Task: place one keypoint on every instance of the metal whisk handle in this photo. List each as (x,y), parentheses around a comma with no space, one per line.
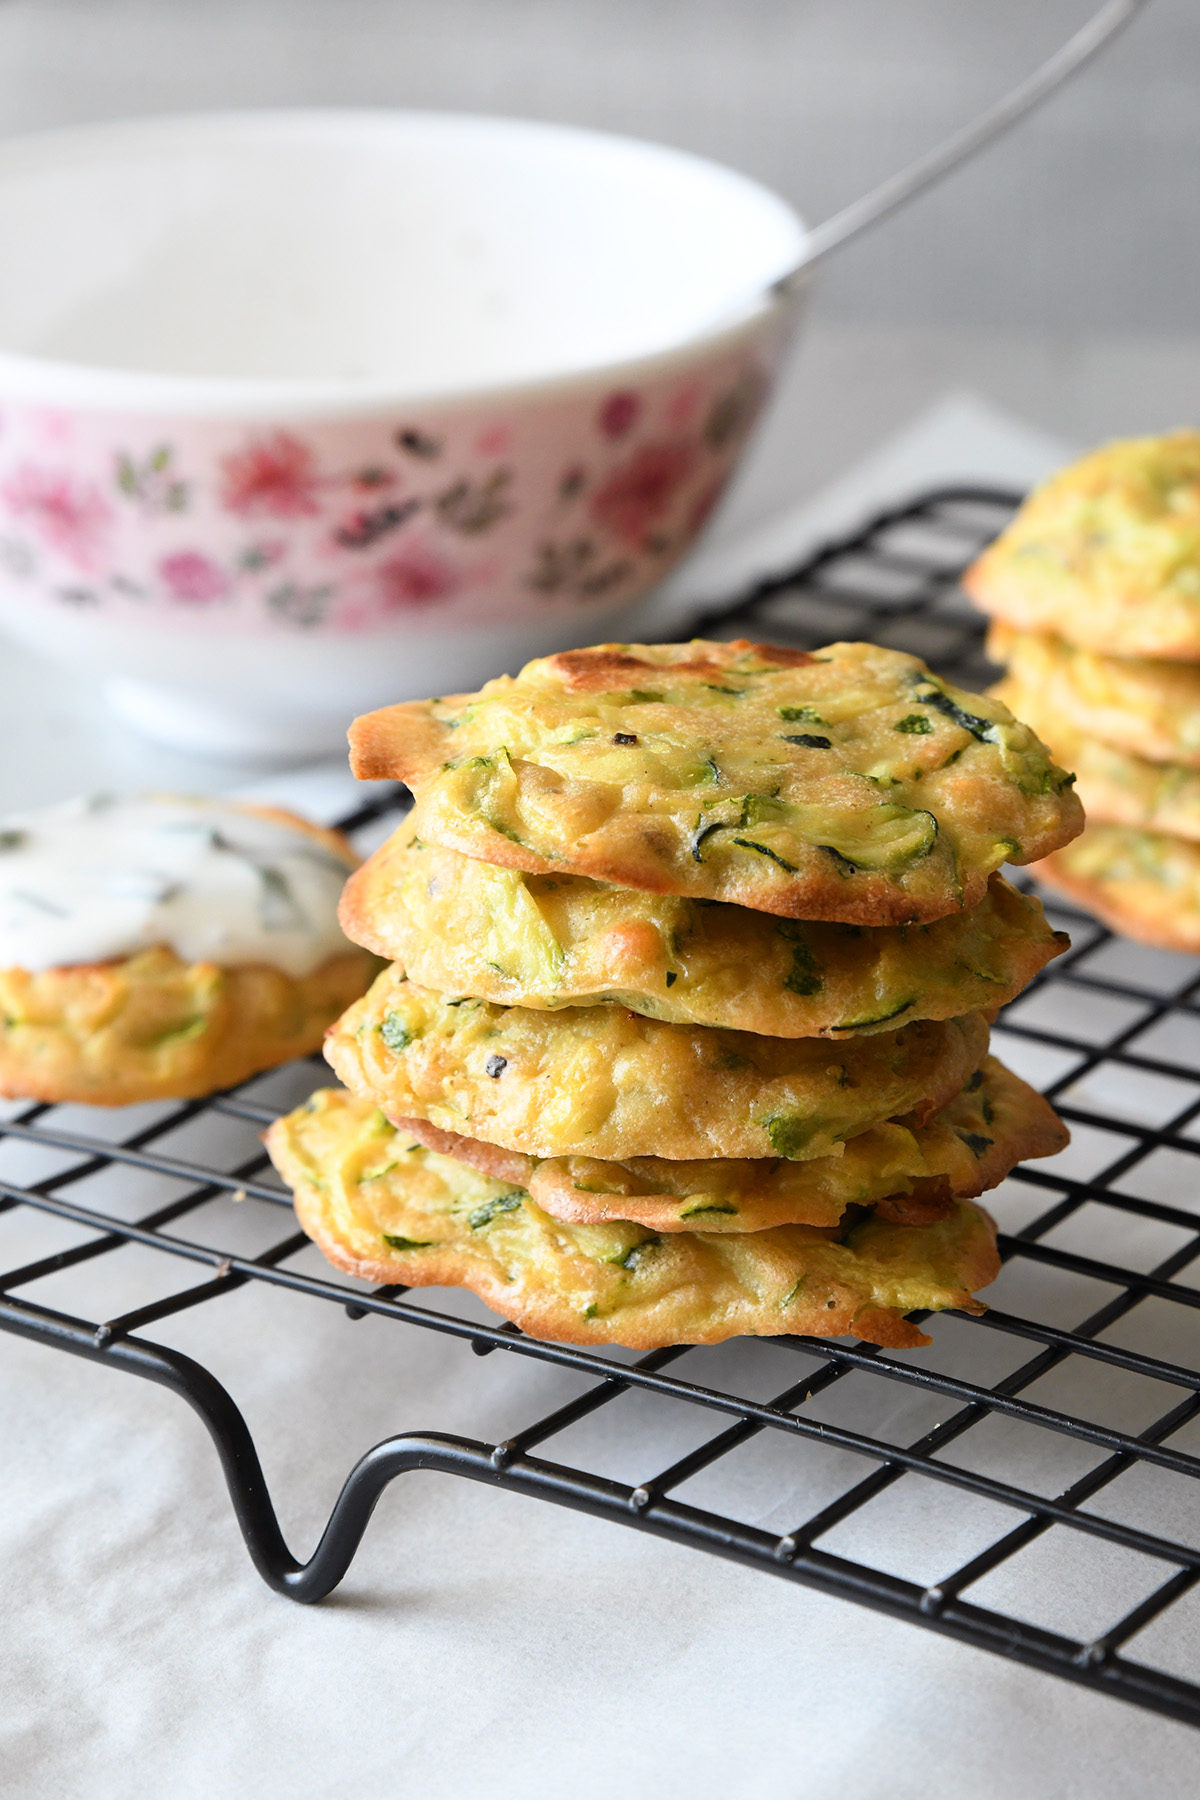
(957,149)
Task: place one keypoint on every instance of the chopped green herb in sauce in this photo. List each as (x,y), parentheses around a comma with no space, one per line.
(277,904)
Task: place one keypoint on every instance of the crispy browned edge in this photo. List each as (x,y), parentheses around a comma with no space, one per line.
(489,1159)
(929,1200)
(819,896)
(391,743)
(591,670)
(356,909)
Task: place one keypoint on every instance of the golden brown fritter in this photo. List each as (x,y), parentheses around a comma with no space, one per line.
(153,1027)
(1148,708)
(601,1081)
(1106,552)
(551,941)
(1116,787)
(389,1210)
(907,1171)
(849,784)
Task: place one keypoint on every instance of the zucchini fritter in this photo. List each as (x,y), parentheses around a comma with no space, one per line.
(1106,552)
(389,1210)
(1149,708)
(601,1081)
(910,1172)
(847,784)
(551,941)
(153,1027)
(1116,787)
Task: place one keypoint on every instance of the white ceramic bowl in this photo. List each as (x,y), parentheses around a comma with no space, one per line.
(303,412)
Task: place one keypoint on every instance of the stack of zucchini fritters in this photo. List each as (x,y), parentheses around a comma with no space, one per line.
(1095,590)
(685,1035)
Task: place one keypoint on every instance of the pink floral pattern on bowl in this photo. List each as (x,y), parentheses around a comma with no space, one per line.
(70,518)
(475,512)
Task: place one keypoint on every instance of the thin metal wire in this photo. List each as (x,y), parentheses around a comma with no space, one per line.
(894,581)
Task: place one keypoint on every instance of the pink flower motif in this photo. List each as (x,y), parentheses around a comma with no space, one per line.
(416,576)
(619,413)
(275,477)
(70,517)
(640,491)
(494,440)
(189,576)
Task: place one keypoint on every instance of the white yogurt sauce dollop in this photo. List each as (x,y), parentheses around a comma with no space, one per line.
(101,878)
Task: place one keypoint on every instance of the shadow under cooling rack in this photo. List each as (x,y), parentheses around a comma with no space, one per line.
(1028,1484)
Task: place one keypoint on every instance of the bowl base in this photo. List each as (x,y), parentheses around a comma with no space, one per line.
(235,733)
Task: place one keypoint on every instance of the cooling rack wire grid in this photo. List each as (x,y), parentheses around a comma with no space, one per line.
(1060,1431)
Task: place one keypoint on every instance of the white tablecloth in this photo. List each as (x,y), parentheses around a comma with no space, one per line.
(484,1643)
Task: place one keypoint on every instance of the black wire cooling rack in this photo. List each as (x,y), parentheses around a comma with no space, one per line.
(1042,1455)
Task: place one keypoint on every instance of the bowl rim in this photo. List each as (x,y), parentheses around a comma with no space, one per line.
(29,379)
